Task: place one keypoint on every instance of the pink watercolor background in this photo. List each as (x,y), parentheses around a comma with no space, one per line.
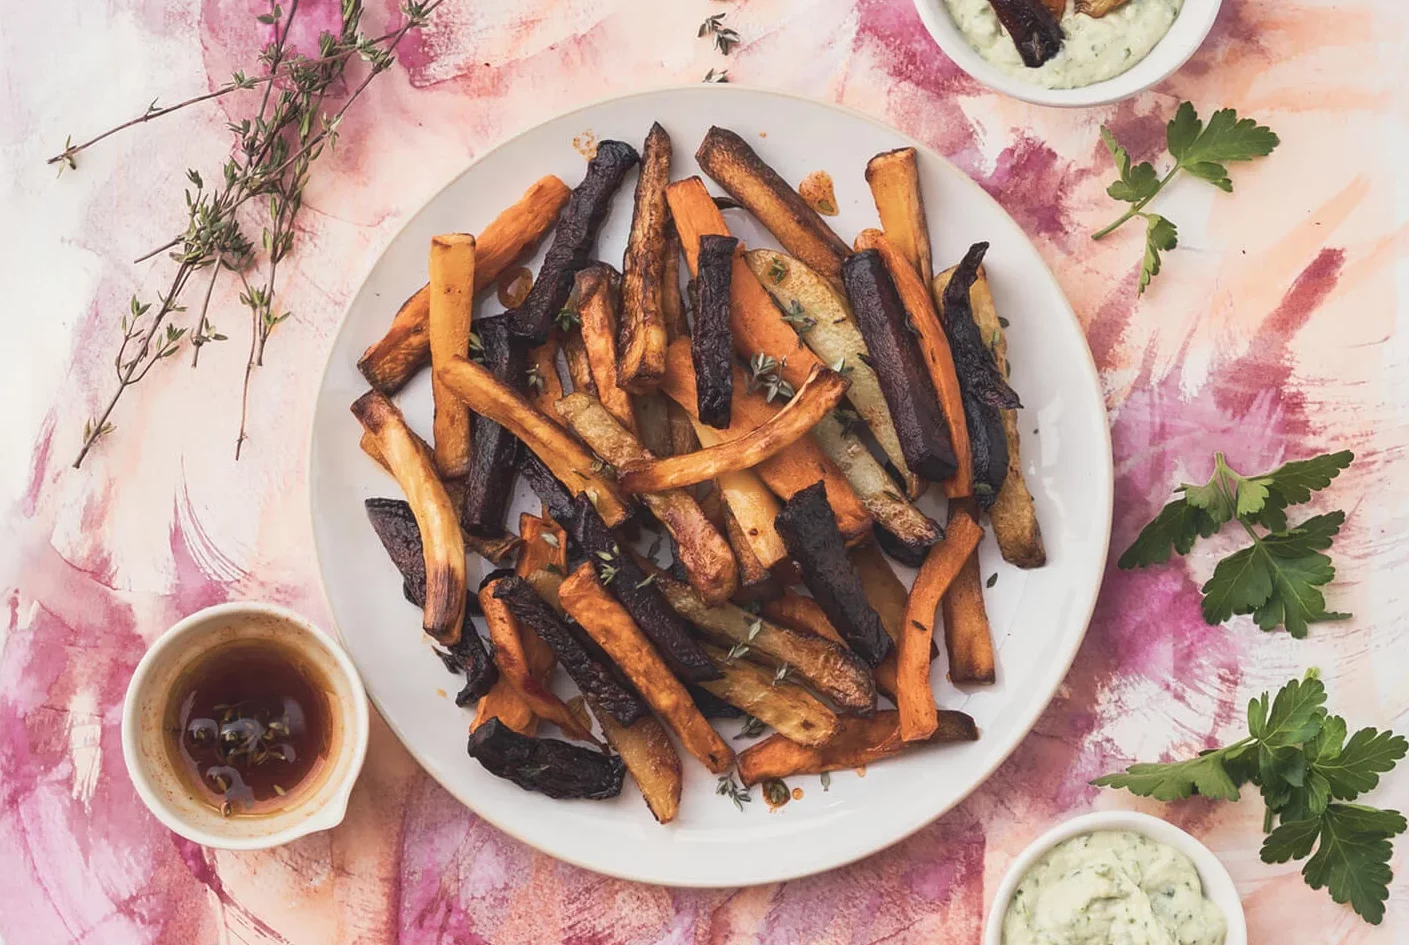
(1271,334)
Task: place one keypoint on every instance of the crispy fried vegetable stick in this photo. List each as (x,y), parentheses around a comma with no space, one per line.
(579,367)
(704,552)
(558,450)
(792,469)
(755,581)
(751,508)
(607,622)
(435,514)
(757,325)
(861,741)
(653,421)
(787,707)
(894,178)
(822,391)
(887,595)
(967,635)
(914,698)
(452,268)
(545,385)
(650,759)
(934,345)
(509,655)
(405,348)
(1096,8)
(596,304)
(1013,515)
(736,167)
(801,613)
(831,669)
(643,333)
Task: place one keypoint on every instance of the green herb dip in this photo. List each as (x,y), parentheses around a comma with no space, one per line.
(1112,887)
(1096,48)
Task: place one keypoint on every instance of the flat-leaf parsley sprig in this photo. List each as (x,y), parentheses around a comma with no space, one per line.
(1201,150)
(1308,772)
(1278,577)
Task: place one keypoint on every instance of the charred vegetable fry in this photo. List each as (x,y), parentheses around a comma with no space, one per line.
(750,509)
(444,609)
(828,667)
(967,635)
(785,706)
(569,461)
(985,391)
(650,759)
(822,391)
(1013,515)
(579,366)
(736,167)
(643,334)
(894,178)
(701,548)
(556,768)
(639,594)
(653,421)
(809,529)
(596,305)
(712,345)
(933,343)
(452,269)
(572,241)
(908,389)
(861,741)
(607,622)
(801,613)
(545,386)
(913,697)
(495,463)
(556,498)
(1033,29)
(405,348)
(513,663)
(821,317)
(596,683)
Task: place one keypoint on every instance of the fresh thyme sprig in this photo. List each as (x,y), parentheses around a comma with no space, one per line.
(725,39)
(765,372)
(269,163)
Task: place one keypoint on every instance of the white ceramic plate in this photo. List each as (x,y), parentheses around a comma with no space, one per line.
(1038,617)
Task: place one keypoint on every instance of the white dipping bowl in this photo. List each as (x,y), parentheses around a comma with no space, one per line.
(1218,885)
(1185,36)
(149,692)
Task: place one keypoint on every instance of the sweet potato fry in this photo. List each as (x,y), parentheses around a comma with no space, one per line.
(607,622)
(756,324)
(967,635)
(736,167)
(827,667)
(545,384)
(914,698)
(504,703)
(435,515)
(513,664)
(704,552)
(887,595)
(795,467)
(1013,515)
(493,550)
(801,613)
(596,305)
(569,461)
(545,544)
(452,269)
(894,178)
(787,707)
(934,345)
(643,334)
(823,319)
(405,349)
(650,759)
(861,741)
(822,391)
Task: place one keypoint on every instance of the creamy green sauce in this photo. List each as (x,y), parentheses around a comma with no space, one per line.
(1112,887)
(1096,48)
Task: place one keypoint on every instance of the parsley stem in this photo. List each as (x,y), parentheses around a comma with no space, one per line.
(1135,210)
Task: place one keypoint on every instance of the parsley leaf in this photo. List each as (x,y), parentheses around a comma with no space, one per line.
(1351,859)
(1200,150)
(1176,527)
(1204,775)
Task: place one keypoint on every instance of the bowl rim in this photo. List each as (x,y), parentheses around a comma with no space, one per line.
(185,633)
(1162,61)
(1218,884)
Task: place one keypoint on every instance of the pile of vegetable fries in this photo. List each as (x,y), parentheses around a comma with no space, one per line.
(778,429)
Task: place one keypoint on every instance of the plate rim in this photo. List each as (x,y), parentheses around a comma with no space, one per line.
(1027,720)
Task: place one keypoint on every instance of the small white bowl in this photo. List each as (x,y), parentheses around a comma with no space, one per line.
(1218,885)
(144,740)
(1185,36)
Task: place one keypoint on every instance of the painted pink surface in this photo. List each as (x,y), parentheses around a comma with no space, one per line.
(1270,334)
